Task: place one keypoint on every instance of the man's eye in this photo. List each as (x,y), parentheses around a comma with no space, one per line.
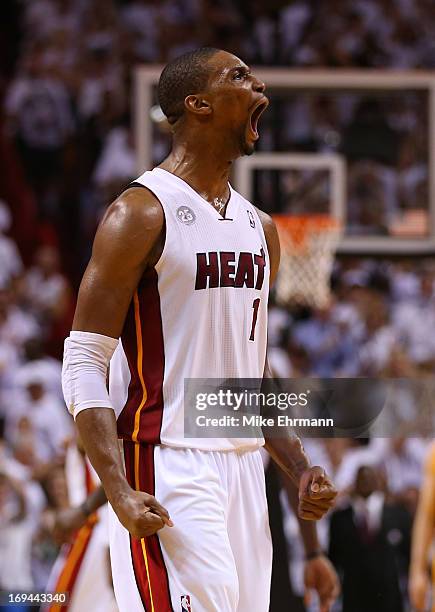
(238,76)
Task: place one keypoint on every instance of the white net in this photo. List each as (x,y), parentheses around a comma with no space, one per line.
(308,246)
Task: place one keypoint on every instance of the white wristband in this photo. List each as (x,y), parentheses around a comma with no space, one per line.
(84,372)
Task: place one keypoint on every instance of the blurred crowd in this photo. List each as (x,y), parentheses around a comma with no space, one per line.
(66,147)
(368,535)
(382,136)
(35,313)
(375,326)
(67,91)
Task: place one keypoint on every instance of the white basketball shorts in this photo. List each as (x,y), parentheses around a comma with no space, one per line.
(218,555)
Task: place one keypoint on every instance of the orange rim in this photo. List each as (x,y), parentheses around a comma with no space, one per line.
(294,229)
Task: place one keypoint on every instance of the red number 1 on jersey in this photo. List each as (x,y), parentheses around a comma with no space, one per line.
(255,306)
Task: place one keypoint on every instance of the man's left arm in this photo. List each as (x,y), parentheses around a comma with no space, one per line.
(316,491)
(319,573)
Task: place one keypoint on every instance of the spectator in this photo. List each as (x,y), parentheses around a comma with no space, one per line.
(324,340)
(381,337)
(363,539)
(11,264)
(15,536)
(16,325)
(39,111)
(117,164)
(42,417)
(49,369)
(47,289)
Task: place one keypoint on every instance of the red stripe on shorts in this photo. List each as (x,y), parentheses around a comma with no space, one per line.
(148,563)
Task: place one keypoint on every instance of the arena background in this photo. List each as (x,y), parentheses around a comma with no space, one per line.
(350,133)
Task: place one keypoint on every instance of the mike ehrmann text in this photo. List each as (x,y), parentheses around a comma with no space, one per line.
(255,420)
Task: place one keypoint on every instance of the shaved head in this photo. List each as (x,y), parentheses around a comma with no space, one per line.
(183,76)
(211,95)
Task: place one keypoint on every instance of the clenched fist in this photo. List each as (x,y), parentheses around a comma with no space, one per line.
(320,576)
(316,494)
(141,514)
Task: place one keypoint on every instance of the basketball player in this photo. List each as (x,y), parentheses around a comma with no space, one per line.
(179,279)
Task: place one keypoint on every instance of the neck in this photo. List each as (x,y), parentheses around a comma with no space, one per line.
(205,168)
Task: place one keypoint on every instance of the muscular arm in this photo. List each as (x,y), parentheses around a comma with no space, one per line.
(319,573)
(316,492)
(125,244)
(287,452)
(308,529)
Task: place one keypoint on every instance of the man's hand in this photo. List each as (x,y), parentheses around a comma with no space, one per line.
(419,586)
(141,514)
(320,576)
(316,494)
(66,522)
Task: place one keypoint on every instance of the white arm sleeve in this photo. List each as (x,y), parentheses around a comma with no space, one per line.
(84,372)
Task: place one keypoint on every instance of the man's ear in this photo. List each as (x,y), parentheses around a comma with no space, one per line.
(197,104)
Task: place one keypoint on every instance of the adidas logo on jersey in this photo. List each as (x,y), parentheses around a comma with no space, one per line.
(226,269)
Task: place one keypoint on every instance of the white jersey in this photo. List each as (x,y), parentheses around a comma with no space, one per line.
(200,313)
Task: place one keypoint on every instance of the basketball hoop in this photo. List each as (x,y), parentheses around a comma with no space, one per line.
(308,244)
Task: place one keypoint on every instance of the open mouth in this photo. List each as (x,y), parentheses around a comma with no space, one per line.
(256,113)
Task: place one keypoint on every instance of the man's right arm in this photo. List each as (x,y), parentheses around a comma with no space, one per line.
(125,244)
(319,573)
